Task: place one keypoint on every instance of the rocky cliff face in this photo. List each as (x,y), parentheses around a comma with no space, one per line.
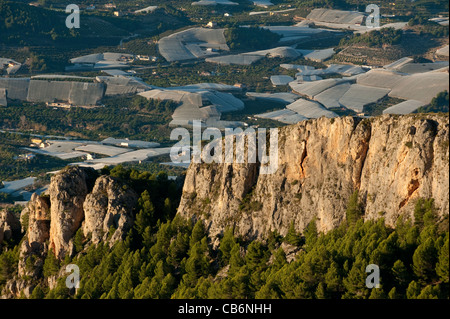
(76,200)
(9,225)
(108,205)
(390,160)
(67,193)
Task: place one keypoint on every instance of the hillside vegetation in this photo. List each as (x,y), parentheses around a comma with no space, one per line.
(170,257)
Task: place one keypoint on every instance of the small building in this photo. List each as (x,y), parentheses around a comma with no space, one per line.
(110,6)
(26,157)
(59,104)
(118,13)
(211,24)
(143,57)
(226,14)
(90,8)
(44,145)
(36,141)
(128,58)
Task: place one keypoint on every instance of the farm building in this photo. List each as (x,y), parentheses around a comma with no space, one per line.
(3,101)
(116,85)
(404,107)
(9,65)
(99,61)
(443,51)
(192,44)
(278,80)
(249,58)
(129,143)
(75,93)
(284,116)
(16,88)
(262,3)
(214,2)
(310,109)
(202,105)
(283,97)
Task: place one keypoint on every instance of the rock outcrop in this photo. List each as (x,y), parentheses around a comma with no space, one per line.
(108,205)
(67,193)
(38,212)
(33,249)
(78,200)
(390,160)
(9,225)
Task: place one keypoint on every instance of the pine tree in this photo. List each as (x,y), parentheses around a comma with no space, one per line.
(333,280)
(168,285)
(198,233)
(377,293)
(203,287)
(292,237)
(429,292)
(241,283)
(393,294)
(256,256)
(147,237)
(269,291)
(168,208)
(413,290)
(311,234)
(146,211)
(178,249)
(424,212)
(321,292)
(236,260)
(78,240)
(400,273)
(424,260)
(354,209)
(142,291)
(197,265)
(38,293)
(355,282)
(279,258)
(443,261)
(226,245)
(125,287)
(51,264)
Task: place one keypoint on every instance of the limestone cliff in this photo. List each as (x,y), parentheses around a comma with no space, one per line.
(390,160)
(108,205)
(67,193)
(77,200)
(9,225)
